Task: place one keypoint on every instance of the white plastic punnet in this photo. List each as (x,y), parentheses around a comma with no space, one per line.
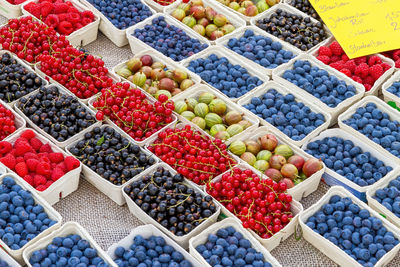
(374,89)
(9,10)
(50,211)
(213,229)
(300,190)
(145,218)
(69,228)
(84,35)
(117,36)
(112,191)
(61,188)
(333,178)
(299,98)
(334,112)
(202,88)
(233,19)
(288,8)
(8,259)
(137,46)
(393,115)
(146,231)
(388,96)
(278,237)
(234,60)
(223,41)
(330,249)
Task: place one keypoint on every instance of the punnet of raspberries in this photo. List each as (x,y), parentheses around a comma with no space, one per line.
(35,161)
(192,154)
(395,55)
(7,122)
(130,110)
(61,15)
(261,204)
(365,70)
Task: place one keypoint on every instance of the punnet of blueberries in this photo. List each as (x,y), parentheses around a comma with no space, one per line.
(112,156)
(395,89)
(3,263)
(377,126)
(152,251)
(169,39)
(232,80)
(21,218)
(349,160)
(306,7)
(172,203)
(122,13)
(71,250)
(260,49)
(295,29)
(389,196)
(293,118)
(60,115)
(318,82)
(228,247)
(15,80)
(353,229)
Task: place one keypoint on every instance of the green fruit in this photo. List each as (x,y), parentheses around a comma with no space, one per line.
(139,79)
(217,106)
(233,117)
(234,129)
(262,6)
(201,110)
(199,122)
(180,106)
(284,150)
(264,155)
(188,115)
(302,176)
(191,102)
(223,135)
(249,158)
(216,128)
(261,165)
(245,124)
(124,73)
(237,147)
(163,92)
(206,97)
(213,119)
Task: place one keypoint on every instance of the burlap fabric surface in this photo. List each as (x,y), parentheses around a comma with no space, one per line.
(108,223)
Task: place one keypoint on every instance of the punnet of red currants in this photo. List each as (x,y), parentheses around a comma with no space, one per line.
(132,111)
(261,204)
(192,154)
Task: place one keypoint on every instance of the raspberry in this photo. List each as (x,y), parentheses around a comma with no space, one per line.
(72,10)
(62,167)
(45,9)
(48,183)
(88,14)
(396,54)
(43,168)
(28,134)
(360,60)
(369,80)
(397,63)
(45,148)
(362,70)
(36,144)
(374,60)
(59,8)
(65,27)
(71,163)
(86,21)
(21,169)
(9,161)
(29,179)
(345,58)
(52,20)
(357,79)
(350,65)
(324,59)
(385,66)
(44,157)
(375,71)
(367,87)
(19,159)
(78,26)
(324,51)
(56,157)
(335,58)
(32,164)
(57,174)
(337,65)
(30,155)
(62,17)
(74,17)
(41,188)
(336,49)
(22,147)
(34,9)
(346,71)
(5,147)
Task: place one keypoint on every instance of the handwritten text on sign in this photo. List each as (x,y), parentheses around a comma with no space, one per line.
(362,27)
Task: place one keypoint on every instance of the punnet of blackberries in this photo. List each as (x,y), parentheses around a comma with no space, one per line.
(16,80)
(166,198)
(60,115)
(110,155)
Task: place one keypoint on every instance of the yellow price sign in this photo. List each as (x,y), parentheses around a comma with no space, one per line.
(362,27)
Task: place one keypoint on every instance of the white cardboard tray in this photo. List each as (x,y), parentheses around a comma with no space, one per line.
(388,96)
(146,231)
(299,98)
(202,239)
(67,229)
(8,259)
(114,192)
(143,217)
(333,178)
(328,248)
(51,212)
(9,10)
